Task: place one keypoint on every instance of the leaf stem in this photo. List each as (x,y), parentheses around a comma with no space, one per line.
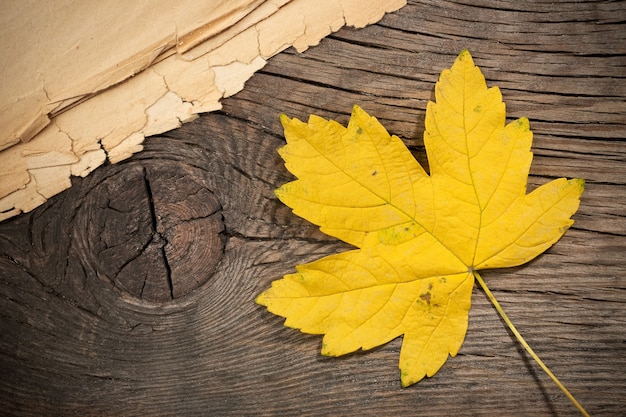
(532,353)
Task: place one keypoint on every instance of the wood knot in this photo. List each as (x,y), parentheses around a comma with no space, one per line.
(153,229)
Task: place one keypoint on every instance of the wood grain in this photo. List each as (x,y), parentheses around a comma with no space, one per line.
(132,292)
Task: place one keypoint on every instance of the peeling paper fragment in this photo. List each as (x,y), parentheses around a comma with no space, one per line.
(160,114)
(145,82)
(229,79)
(89,161)
(125,149)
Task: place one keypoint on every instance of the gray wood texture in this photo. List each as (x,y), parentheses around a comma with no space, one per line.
(132,293)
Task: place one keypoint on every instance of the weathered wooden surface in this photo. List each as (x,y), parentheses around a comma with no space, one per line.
(132,292)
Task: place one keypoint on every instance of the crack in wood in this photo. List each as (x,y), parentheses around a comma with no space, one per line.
(157,236)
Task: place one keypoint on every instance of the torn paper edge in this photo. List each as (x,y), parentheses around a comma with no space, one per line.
(163,97)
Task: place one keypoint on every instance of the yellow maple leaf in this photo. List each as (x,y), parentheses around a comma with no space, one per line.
(420,237)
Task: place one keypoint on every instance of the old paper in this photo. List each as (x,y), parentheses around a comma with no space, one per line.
(83,82)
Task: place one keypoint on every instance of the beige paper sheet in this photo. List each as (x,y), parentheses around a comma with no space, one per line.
(83,82)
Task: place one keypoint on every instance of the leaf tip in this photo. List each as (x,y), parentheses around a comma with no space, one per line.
(406,379)
(523,124)
(576,186)
(465,56)
(358,114)
(284,119)
(261,299)
(280,192)
(580,182)
(465,53)
(464,63)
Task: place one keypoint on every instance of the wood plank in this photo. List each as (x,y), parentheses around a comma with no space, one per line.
(110,305)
